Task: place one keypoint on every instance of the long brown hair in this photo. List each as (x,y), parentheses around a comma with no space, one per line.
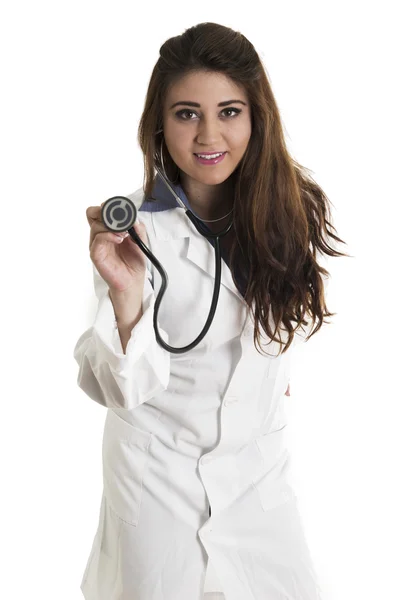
(281,215)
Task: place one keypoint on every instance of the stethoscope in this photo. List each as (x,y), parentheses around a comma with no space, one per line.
(119,214)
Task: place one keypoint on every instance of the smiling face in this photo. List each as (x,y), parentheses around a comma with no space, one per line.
(206,113)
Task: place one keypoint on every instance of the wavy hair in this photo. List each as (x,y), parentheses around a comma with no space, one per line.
(281,215)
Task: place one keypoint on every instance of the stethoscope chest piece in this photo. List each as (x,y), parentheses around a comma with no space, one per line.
(119,213)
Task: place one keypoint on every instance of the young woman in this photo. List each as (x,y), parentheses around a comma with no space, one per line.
(196,500)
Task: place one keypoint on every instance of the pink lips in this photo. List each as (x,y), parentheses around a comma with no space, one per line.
(207,161)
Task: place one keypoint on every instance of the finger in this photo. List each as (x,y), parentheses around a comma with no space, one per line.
(97,227)
(93,213)
(106,237)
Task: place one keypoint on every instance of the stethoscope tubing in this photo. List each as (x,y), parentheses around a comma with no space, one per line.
(164,280)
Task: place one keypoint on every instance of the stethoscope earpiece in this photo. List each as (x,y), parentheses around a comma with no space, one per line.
(119,213)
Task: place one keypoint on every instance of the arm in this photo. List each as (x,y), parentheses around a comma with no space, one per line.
(128,311)
(122,367)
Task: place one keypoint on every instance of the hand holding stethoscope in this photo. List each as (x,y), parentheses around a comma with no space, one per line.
(119,261)
(118,214)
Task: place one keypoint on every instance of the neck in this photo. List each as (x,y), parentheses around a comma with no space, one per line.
(209,201)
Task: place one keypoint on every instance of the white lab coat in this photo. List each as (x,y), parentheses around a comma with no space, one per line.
(188,432)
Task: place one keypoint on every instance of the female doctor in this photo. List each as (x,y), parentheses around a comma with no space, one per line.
(196,500)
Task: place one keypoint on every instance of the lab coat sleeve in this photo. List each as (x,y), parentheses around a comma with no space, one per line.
(106,374)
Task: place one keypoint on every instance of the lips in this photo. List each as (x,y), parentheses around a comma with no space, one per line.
(219,156)
(209,153)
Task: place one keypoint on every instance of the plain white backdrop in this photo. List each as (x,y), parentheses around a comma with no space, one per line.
(74,77)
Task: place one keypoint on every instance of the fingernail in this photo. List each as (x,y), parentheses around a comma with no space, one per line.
(138,222)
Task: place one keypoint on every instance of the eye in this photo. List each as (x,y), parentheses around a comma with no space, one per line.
(235,110)
(181,114)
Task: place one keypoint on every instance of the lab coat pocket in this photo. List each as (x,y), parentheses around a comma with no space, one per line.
(124,459)
(272,484)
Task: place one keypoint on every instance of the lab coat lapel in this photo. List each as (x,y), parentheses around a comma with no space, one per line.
(201,252)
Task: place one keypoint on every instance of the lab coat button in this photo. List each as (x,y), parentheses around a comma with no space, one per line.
(231,400)
(206,459)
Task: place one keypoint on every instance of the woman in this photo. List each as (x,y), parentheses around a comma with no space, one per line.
(196,500)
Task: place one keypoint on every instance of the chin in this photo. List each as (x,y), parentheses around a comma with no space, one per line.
(211,178)
(217,180)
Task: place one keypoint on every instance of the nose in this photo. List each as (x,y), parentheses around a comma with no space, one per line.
(208,132)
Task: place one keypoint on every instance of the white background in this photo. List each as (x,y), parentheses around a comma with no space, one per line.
(74,76)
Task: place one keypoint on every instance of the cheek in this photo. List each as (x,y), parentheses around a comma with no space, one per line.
(240,136)
(179,143)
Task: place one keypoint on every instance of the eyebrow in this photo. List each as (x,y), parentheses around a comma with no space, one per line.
(196,104)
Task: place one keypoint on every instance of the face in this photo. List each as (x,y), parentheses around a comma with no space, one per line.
(206,113)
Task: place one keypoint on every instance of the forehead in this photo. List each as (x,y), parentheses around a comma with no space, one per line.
(205,88)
